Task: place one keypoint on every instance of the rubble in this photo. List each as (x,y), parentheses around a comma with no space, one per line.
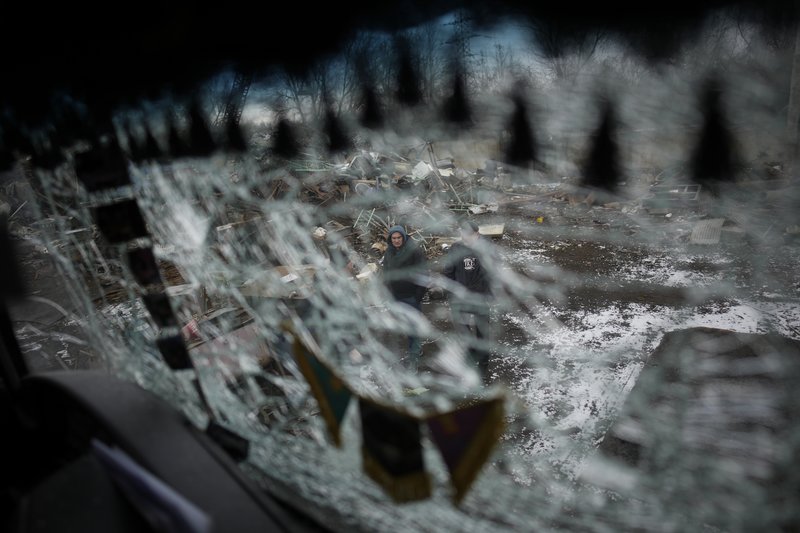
(663,198)
(492,230)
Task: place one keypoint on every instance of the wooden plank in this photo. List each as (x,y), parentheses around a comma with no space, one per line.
(492,230)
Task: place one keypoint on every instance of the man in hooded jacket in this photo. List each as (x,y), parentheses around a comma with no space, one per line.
(466,265)
(404,266)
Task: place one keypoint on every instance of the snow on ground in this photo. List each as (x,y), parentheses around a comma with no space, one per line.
(577,374)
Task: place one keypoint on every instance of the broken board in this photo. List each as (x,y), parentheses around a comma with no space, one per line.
(494,231)
(707,231)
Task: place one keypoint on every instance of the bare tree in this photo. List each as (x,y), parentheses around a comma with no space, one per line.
(332,82)
(423,46)
(382,68)
(345,92)
(722,42)
(566,50)
(427,42)
(493,70)
(294,94)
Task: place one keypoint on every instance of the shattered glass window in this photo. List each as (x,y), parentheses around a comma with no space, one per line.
(615,350)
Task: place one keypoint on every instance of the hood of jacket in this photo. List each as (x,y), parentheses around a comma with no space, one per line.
(396,229)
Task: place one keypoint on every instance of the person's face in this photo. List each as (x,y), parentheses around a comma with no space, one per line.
(397,239)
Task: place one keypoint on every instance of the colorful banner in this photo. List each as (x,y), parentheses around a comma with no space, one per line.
(330,391)
(465,437)
(392,439)
(392,451)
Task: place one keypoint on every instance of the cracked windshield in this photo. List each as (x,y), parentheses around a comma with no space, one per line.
(452,278)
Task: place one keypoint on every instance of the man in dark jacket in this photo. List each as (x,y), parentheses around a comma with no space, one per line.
(466,266)
(404,270)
